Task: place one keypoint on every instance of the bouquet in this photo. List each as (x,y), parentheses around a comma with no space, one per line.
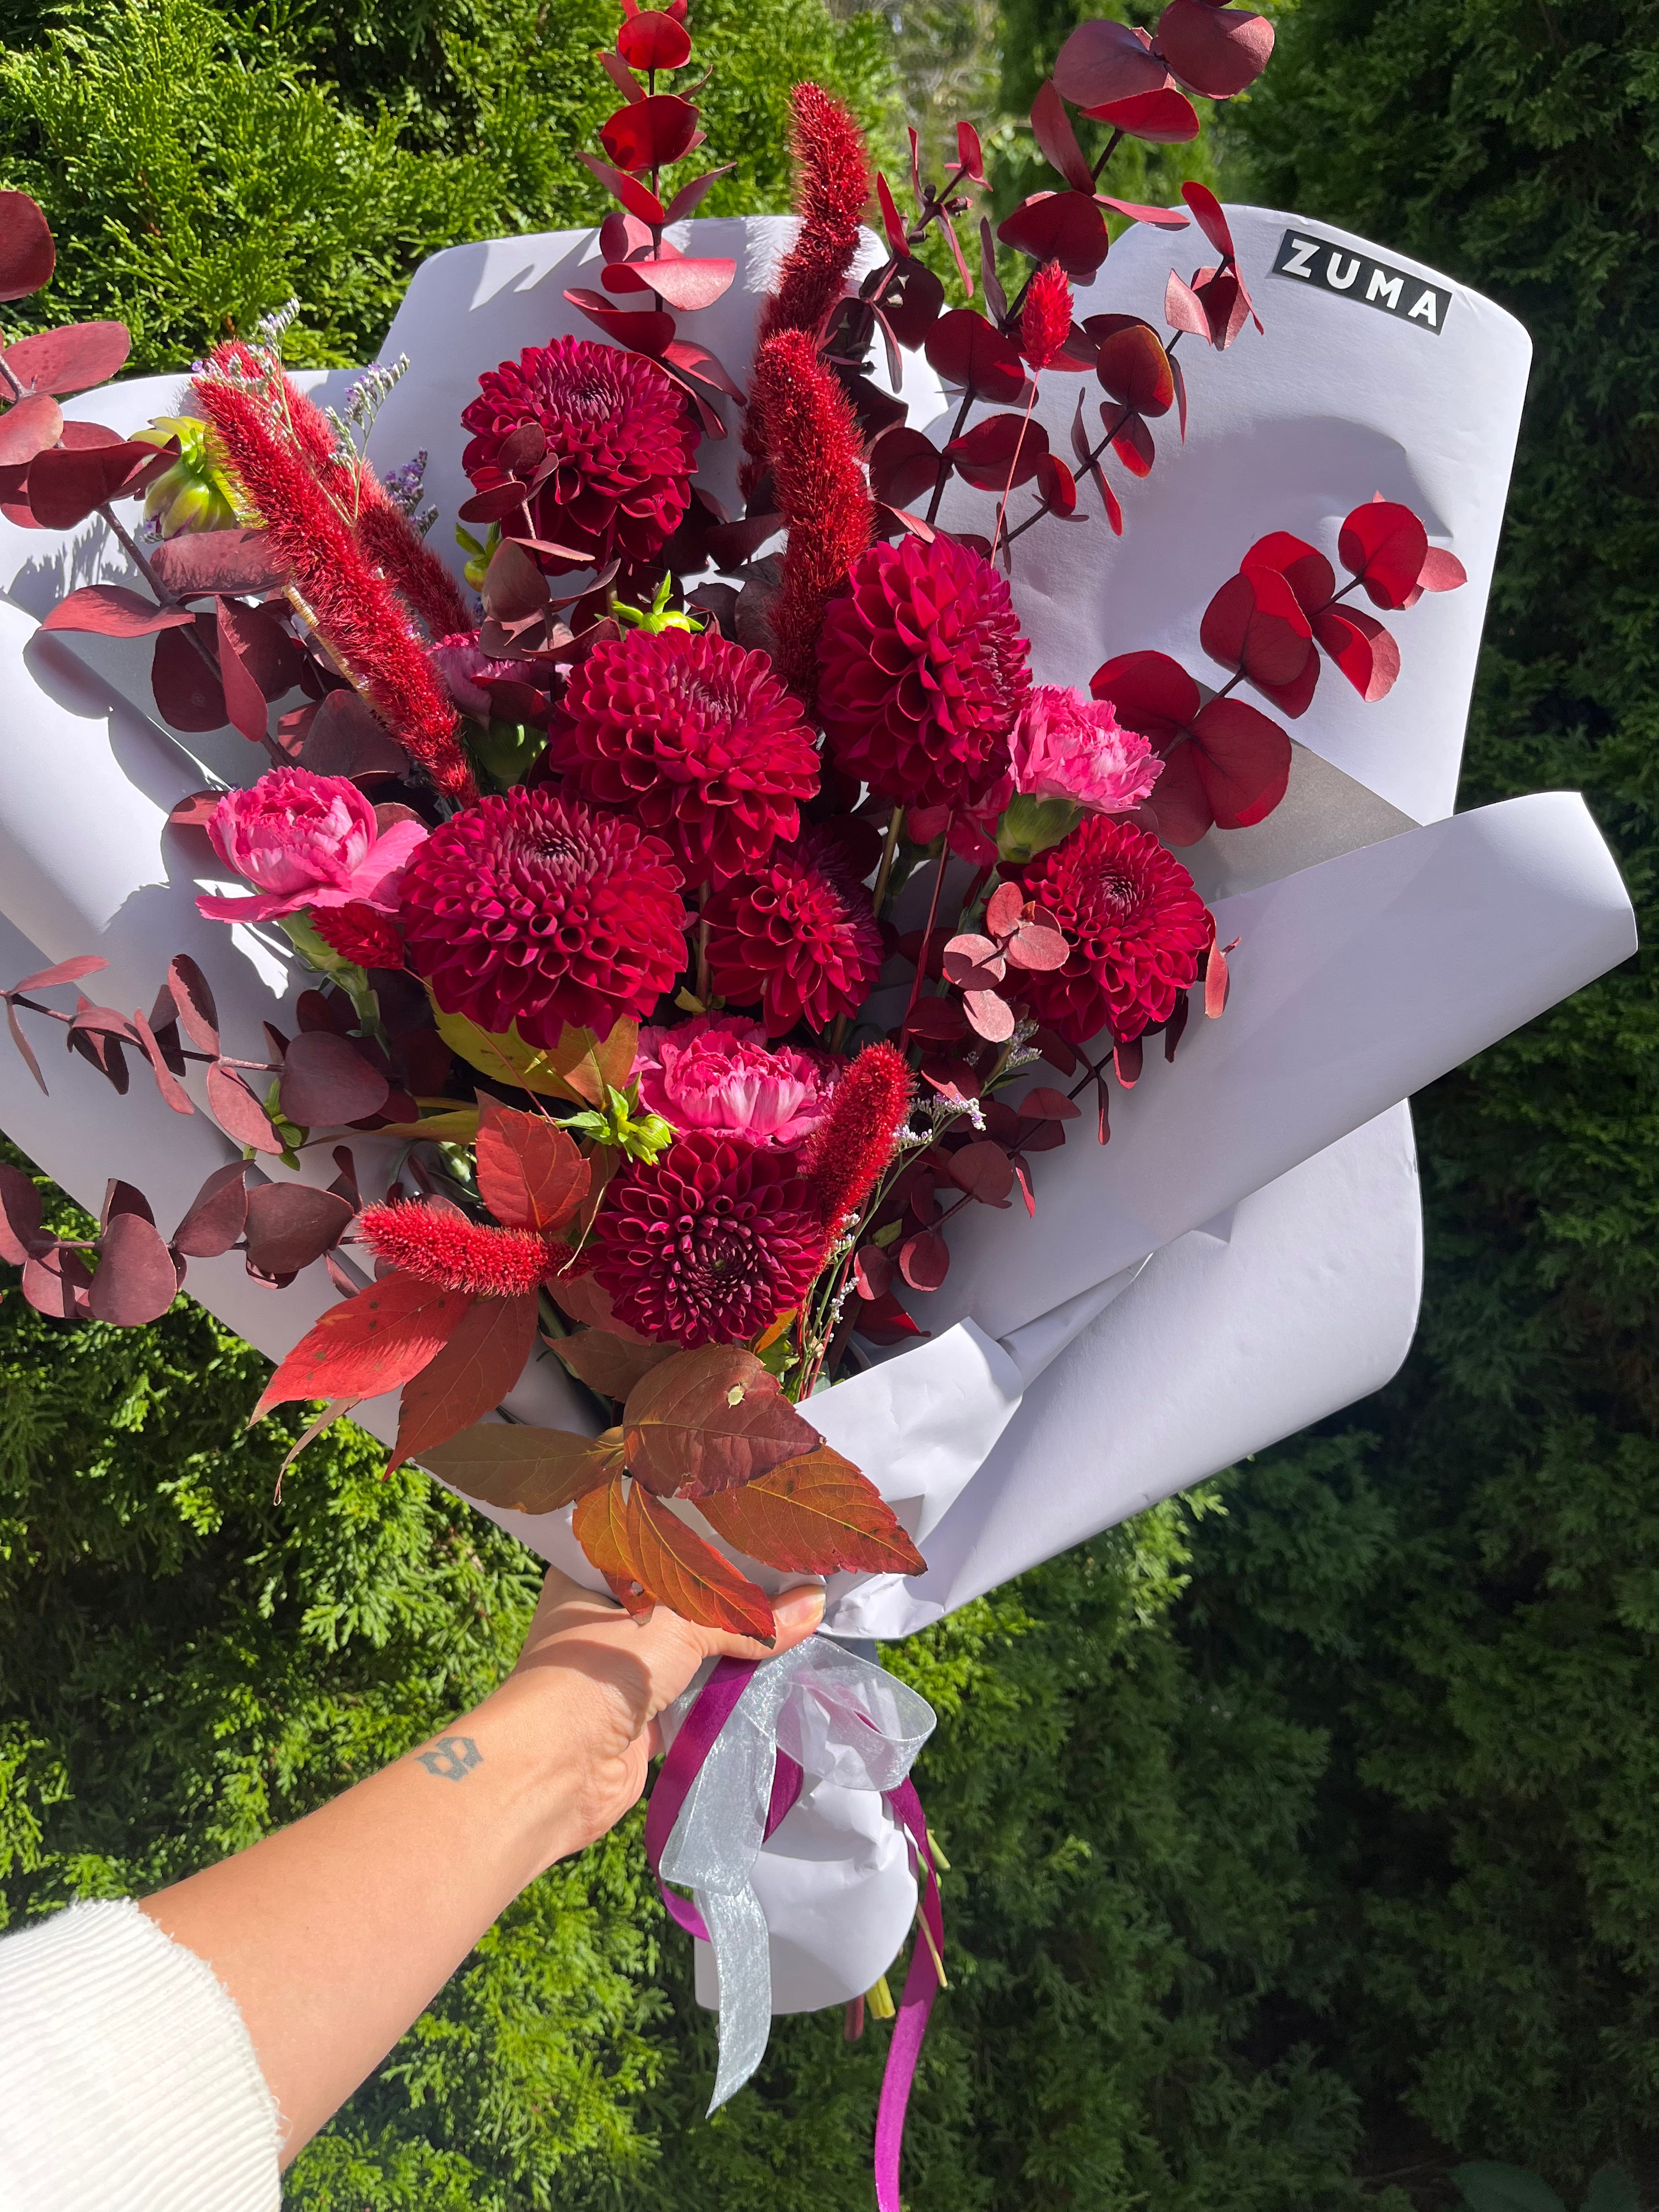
(702,946)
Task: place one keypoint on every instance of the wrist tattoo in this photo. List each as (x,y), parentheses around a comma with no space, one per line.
(452,1756)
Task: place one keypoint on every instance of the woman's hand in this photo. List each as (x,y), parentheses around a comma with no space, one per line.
(605,1677)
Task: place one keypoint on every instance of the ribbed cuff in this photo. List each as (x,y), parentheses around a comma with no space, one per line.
(128,2082)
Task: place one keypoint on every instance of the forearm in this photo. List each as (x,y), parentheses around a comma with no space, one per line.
(334,1934)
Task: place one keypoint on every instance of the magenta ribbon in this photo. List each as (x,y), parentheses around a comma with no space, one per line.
(714,1707)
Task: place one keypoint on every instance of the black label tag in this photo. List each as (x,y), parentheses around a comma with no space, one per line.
(1356,277)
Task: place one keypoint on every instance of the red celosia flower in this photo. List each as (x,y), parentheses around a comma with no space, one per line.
(923,673)
(709,1244)
(445,1248)
(533,908)
(816,457)
(356,933)
(868,1109)
(799,935)
(1138,927)
(617,436)
(391,539)
(832,184)
(271,443)
(696,740)
(1045,320)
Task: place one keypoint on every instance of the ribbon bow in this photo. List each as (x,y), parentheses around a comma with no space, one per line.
(747,1738)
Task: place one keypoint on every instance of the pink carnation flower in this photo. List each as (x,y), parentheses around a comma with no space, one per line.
(717,1073)
(307,841)
(1065,746)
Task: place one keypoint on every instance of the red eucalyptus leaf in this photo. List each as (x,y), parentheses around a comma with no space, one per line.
(1057,484)
(912,302)
(1179,376)
(649,331)
(1131,363)
(984,1170)
(891,220)
(1127,1062)
(885,1321)
(967,350)
(67,483)
(243,1119)
(652,133)
(974,963)
(27,256)
(1164,118)
(136,1280)
(188,692)
(1184,310)
(1042,1102)
(815,1514)
(326,1079)
(942,1020)
(686,285)
(216,1215)
(622,76)
(654,39)
(58,1282)
(372,1343)
(989,1014)
(874,1270)
(1104,61)
(599,1525)
(24,1047)
(673,1564)
(925,1260)
(706,1420)
(1305,568)
(690,196)
(29,428)
(1091,467)
(1207,211)
(1219,52)
(290,1224)
(344,737)
(211,562)
(970,157)
(636,197)
(1064,227)
(1218,980)
(62,971)
(696,360)
(20,1233)
(1362,648)
(191,995)
(1159,218)
(1244,761)
(1253,624)
(1441,571)
(1051,127)
(112,610)
(1000,453)
(1226,305)
(530,1174)
(903,465)
(493,504)
(1386,546)
(1004,909)
(1132,441)
(1175,1028)
(580,1297)
(469,1374)
(70,359)
(165,1081)
(1038,945)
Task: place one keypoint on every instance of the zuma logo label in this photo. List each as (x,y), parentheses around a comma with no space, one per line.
(1356,277)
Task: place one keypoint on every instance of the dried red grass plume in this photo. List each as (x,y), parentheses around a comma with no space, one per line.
(456,1253)
(1045,320)
(392,542)
(855,1141)
(831,187)
(816,455)
(354,607)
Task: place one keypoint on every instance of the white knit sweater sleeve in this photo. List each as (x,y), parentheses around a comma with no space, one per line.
(128,2082)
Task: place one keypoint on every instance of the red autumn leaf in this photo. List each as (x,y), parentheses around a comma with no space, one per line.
(27,429)
(639,199)
(1385,546)
(199,1017)
(647,331)
(1103,61)
(1157,218)
(674,1566)
(925,1260)
(61,971)
(1218,52)
(70,359)
(1131,362)
(891,222)
(112,610)
(215,1218)
(652,133)
(696,360)
(68,482)
(690,196)
(622,76)
(188,692)
(1366,653)
(1255,625)
(474,1370)
(530,1174)
(1207,211)
(326,1081)
(27,255)
(983,1169)
(369,1344)
(874,1270)
(524,1469)
(57,1282)
(20,1233)
(1004,910)
(1164,117)
(816,1514)
(610,1364)
(1000,453)
(1441,571)
(1064,227)
(967,350)
(1051,127)
(1184,310)
(969,158)
(903,465)
(599,1525)
(238,1113)
(1042,1102)
(706,1419)
(290,1224)
(136,1280)
(686,285)
(654,39)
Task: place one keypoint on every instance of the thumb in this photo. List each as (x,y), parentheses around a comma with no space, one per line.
(795,1615)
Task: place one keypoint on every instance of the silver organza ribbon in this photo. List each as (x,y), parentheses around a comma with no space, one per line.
(843,1721)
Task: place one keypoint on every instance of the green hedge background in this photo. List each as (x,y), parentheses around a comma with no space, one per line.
(1304,1833)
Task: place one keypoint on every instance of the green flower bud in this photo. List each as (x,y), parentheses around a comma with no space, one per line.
(196,492)
(506,751)
(659,615)
(1029,826)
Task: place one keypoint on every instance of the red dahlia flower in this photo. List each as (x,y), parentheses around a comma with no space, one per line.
(708,1244)
(443,1247)
(696,740)
(1137,924)
(618,438)
(799,935)
(923,673)
(533,908)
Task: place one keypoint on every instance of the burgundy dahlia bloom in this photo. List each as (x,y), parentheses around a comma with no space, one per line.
(1137,924)
(618,441)
(708,1244)
(441,1246)
(923,673)
(696,740)
(799,935)
(533,908)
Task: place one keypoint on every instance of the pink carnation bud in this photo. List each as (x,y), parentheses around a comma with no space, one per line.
(307,841)
(718,1072)
(1065,746)
(1045,320)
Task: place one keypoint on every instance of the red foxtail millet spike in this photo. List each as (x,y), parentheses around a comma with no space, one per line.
(1045,321)
(397,548)
(456,1253)
(832,185)
(815,454)
(855,1141)
(354,606)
